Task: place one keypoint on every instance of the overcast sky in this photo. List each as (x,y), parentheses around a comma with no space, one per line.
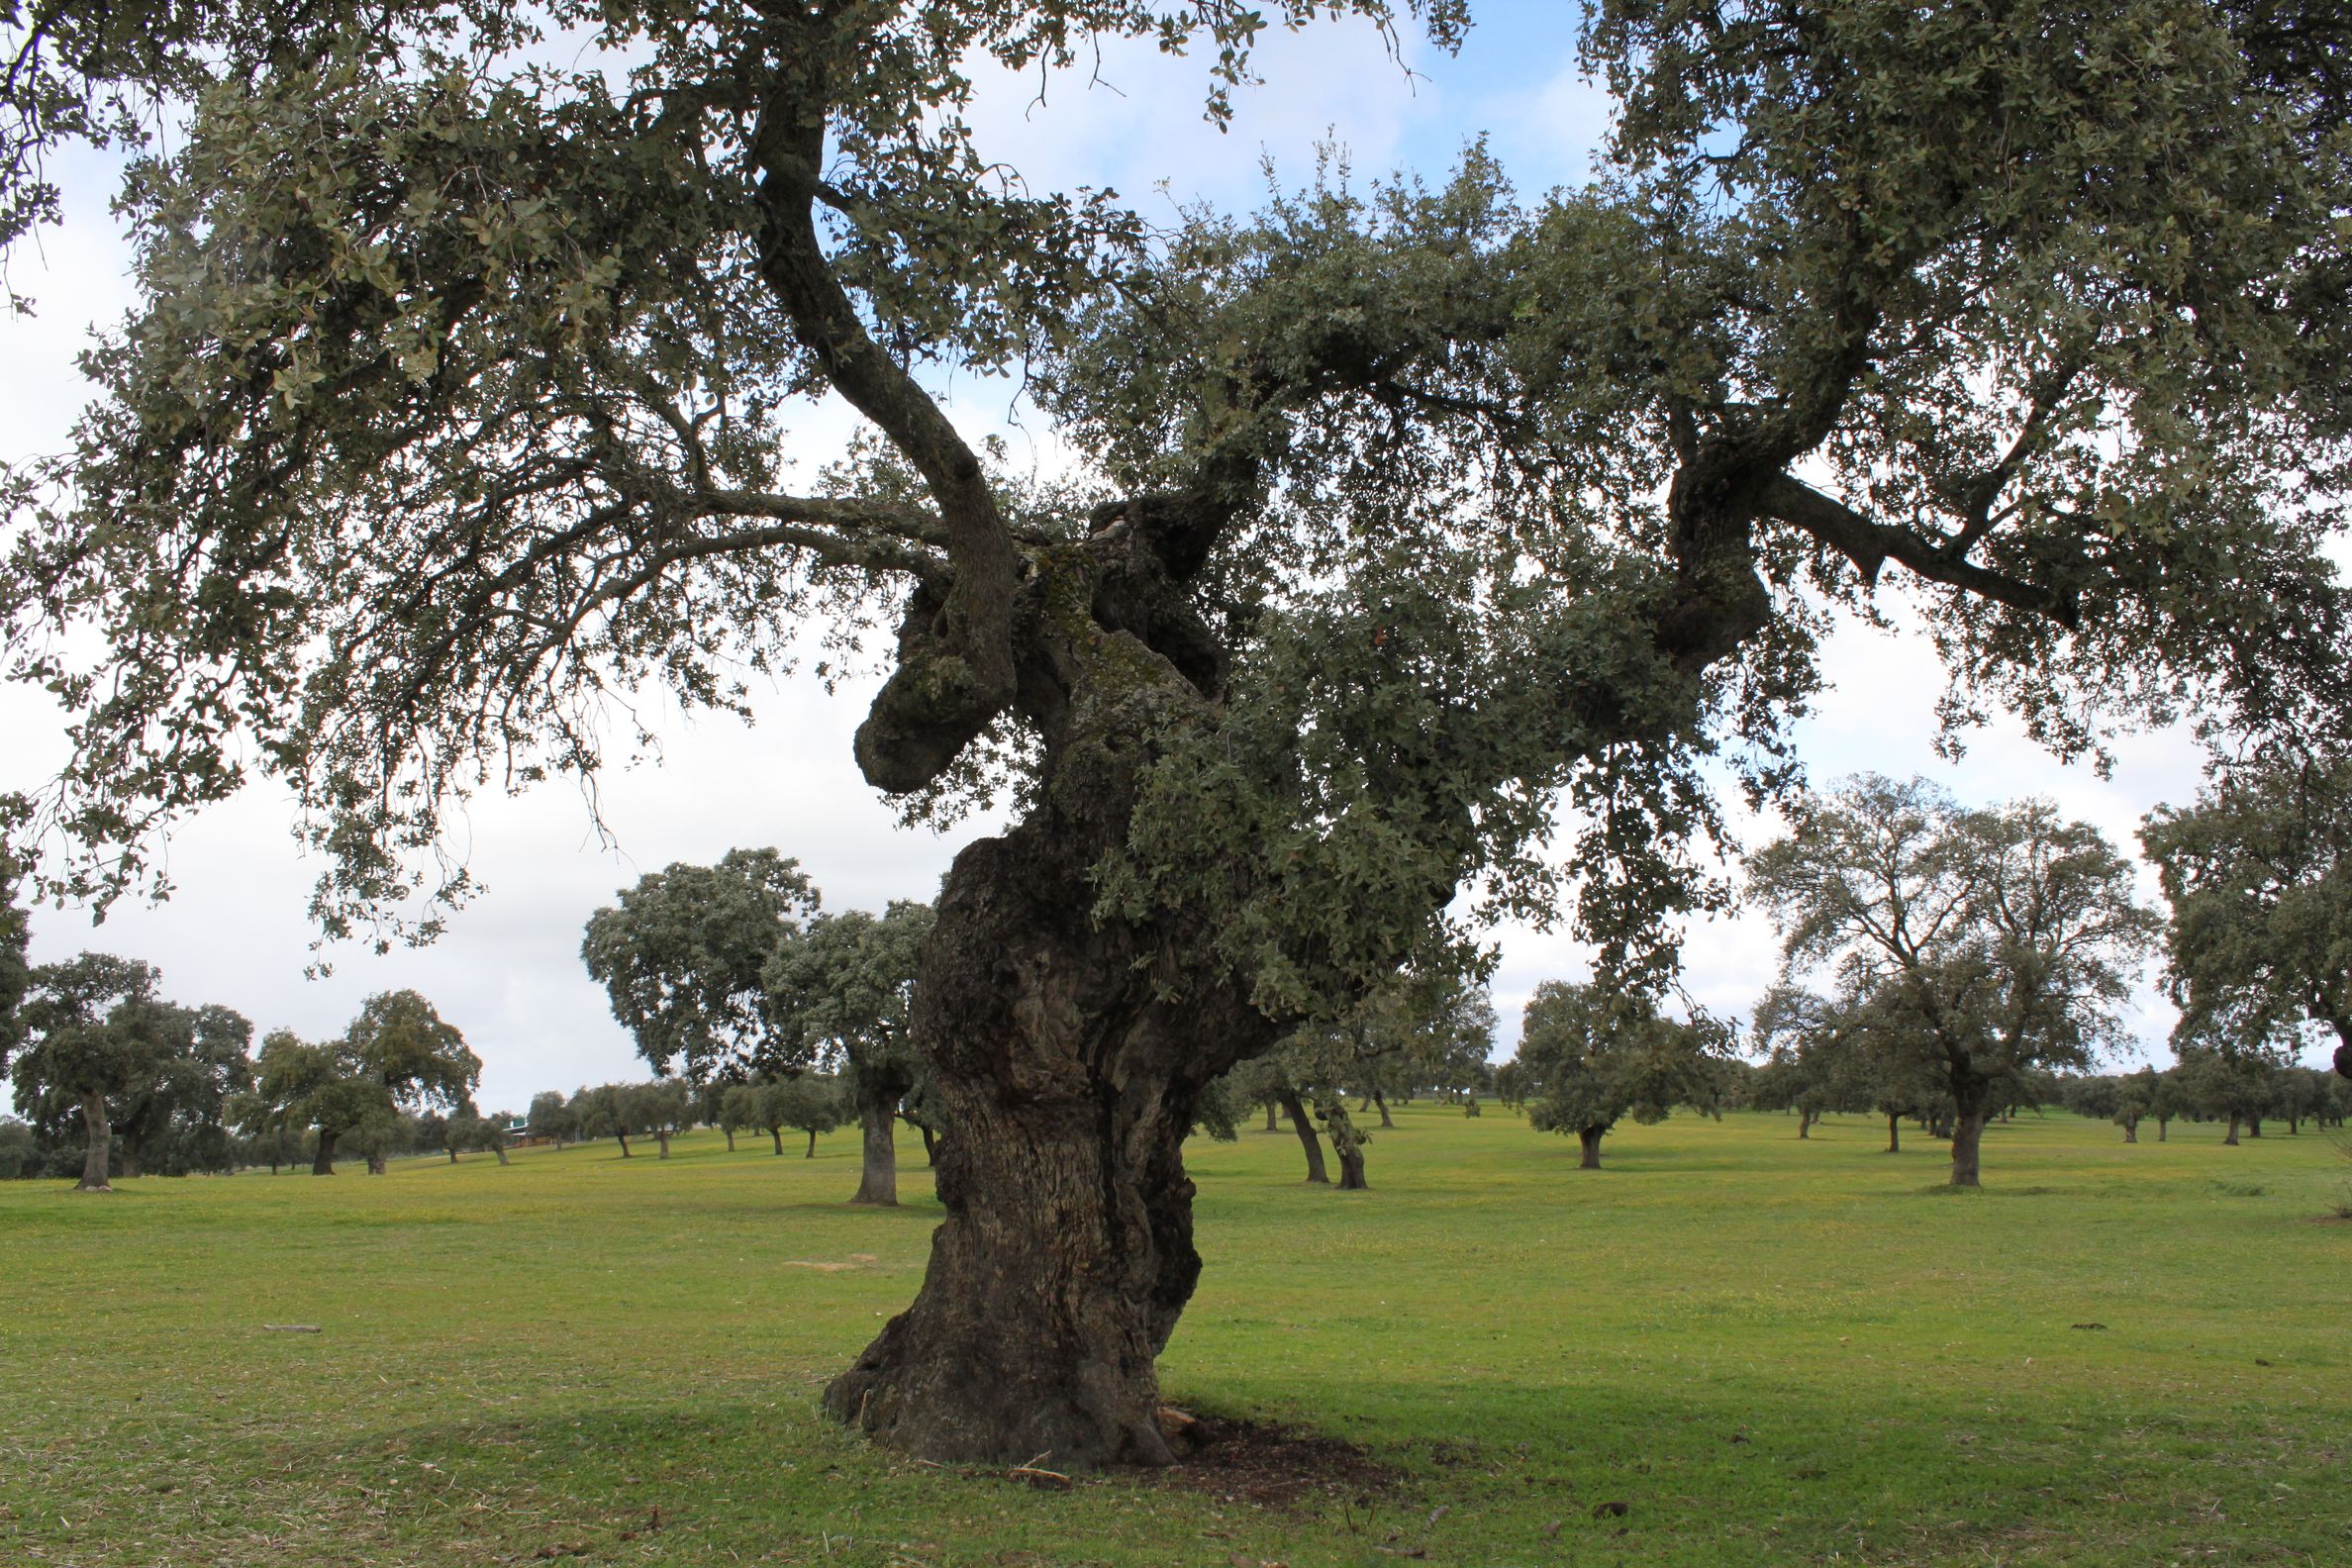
(508,972)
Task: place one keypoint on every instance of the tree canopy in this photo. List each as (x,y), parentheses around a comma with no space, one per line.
(1589,1057)
(1412,532)
(681,956)
(2259,951)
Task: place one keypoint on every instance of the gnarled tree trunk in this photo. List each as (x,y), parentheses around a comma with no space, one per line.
(1066,1254)
(1587,1146)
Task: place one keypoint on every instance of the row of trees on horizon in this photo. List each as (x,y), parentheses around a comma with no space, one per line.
(1940,964)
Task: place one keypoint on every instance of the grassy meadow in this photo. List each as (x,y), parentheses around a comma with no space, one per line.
(1767,1351)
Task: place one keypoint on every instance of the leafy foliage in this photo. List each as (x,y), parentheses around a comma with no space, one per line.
(2260,946)
(681,957)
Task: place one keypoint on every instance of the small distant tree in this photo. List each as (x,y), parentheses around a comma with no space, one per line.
(397,1055)
(1991,944)
(468,1130)
(663,1107)
(380,1133)
(552,1116)
(20,1150)
(607,1110)
(2226,1083)
(1593,1055)
(808,1102)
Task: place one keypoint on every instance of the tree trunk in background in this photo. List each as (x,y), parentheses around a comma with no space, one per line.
(1804,1121)
(97,1144)
(323,1163)
(623,1138)
(1968,1132)
(877,1181)
(1386,1120)
(2231,1140)
(2253,1127)
(931,1145)
(729,1131)
(2132,1129)
(134,1161)
(1272,1125)
(1895,1134)
(499,1149)
(812,1154)
(1346,1142)
(1588,1146)
(453,1153)
(2163,1126)
(1296,1112)
(662,1137)
(1470,1104)
(777,1133)
(375,1164)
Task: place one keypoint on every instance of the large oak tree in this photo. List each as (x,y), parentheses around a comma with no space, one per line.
(460,396)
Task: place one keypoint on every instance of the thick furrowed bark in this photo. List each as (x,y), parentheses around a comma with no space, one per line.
(1043,1307)
(1066,1254)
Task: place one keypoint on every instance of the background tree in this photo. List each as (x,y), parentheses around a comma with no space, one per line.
(1987,943)
(608,1111)
(680,958)
(552,1116)
(92,1024)
(663,1107)
(396,1056)
(173,1120)
(841,990)
(2259,947)
(455,395)
(805,1100)
(2226,1083)
(1593,1055)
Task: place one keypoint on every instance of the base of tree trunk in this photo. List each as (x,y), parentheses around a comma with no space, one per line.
(1043,1307)
(1588,1145)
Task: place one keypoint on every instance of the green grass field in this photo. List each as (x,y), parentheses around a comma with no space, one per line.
(1770,1352)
